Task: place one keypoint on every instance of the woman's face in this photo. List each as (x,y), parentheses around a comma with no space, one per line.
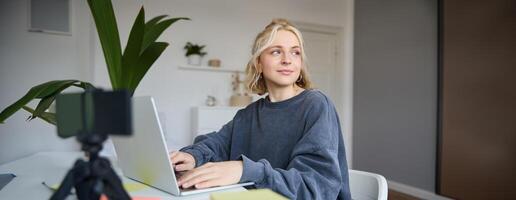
(281,62)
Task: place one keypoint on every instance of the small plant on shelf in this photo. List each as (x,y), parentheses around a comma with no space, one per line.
(194,53)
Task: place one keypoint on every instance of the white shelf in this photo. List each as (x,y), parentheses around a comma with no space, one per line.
(208,68)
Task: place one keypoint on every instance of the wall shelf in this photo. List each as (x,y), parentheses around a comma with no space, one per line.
(208,68)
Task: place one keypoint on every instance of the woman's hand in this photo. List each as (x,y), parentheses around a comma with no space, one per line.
(182,161)
(212,174)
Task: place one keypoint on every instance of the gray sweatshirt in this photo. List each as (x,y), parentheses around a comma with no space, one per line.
(294,147)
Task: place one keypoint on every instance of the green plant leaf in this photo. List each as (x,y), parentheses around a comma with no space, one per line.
(153,32)
(46,101)
(148,57)
(153,22)
(105,21)
(38,92)
(132,50)
(43,105)
(85,85)
(46,116)
(50,88)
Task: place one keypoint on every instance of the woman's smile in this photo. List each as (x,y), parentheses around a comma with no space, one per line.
(285,72)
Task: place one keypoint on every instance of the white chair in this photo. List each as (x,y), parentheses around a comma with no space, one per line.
(367,186)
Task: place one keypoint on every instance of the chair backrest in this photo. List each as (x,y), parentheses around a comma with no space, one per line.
(367,186)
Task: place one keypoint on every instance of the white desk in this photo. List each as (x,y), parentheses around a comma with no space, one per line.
(51,167)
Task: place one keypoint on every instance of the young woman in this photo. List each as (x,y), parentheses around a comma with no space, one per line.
(289,141)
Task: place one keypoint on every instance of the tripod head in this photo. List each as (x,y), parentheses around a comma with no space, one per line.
(91,144)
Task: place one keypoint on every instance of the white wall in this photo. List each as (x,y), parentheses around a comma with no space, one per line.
(227,28)
(28,59)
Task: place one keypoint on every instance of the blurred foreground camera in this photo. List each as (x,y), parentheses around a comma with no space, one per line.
(91,116)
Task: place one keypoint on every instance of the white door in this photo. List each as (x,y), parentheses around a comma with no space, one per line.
(321,51)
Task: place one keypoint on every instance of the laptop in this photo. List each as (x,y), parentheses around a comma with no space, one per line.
(144,155)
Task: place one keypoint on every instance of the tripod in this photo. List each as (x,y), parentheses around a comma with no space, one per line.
(93,177)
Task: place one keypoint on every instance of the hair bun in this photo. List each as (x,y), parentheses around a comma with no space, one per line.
(280,22)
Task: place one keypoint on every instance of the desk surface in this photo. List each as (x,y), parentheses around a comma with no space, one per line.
(50,167)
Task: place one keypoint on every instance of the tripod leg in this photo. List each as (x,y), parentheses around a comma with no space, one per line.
(69,181)
(64,188)
(113,187)
(85,189)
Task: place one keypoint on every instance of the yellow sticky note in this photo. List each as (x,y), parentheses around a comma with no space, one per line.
(55,186)
(258,194)
(131,187)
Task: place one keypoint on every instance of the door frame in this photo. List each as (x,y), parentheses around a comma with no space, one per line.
(343,76)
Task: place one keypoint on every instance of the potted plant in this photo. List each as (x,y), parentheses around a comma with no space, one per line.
(125,70)
(194,53)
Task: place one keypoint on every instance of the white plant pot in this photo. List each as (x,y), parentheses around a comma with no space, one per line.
(194,60)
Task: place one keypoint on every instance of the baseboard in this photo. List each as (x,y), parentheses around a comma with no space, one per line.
(416,192)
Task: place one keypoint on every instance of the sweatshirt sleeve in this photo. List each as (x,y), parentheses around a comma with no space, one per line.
(212,147)
(313,171)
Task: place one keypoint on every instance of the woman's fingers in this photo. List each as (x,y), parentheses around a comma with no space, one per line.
(199,179)
(208,183)
(182,161)
(174,157)
(183,167)
(186,177)
(212,174)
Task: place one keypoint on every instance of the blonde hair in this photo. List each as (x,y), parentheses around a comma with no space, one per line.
(255,82)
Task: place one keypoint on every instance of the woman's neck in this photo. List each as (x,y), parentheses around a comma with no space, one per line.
(281,94)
